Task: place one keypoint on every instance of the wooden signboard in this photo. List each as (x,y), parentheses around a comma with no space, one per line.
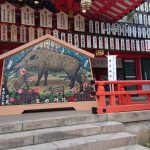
(48,31)
(39,32)
(8,13)
(76,40)
(63,36)
(138,45)
(82,41)
(45,18)
(91,28)
(101,45)
(103,28)
(89,43)
(62,21)
(94,41)
(106,43)
(122,44)
(4,32)
(31,33)
(23,37)
(46,72)
(112,43)
(117,43)
(79,23)
(56,33)
(113,29)
(27,16)
(97,27)
(128,45)
(70,38)
(14,33)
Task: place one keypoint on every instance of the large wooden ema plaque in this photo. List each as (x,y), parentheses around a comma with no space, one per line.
(46,73)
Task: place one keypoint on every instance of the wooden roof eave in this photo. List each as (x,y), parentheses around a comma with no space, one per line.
(45,37)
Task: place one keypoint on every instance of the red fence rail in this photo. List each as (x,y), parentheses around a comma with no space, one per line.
(119,99)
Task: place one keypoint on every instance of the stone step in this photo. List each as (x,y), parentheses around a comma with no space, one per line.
(96,142)
(39,123)
(39,136)
(131,147)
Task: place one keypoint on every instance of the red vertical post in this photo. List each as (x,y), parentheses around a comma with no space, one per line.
(112,100)
(148,98)
(119,96)
(101,98)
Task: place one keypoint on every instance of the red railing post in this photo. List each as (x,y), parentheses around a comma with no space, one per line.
(101,98)
(119,96)
(112,100)
(148,98)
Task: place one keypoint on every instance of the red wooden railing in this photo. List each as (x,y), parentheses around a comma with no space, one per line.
(119,99)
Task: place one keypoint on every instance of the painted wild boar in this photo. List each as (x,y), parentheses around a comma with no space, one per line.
(44,61)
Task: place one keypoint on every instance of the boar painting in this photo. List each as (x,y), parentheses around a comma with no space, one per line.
(46,73)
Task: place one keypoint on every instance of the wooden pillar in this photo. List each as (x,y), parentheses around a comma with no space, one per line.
(138,71)
(1,69)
